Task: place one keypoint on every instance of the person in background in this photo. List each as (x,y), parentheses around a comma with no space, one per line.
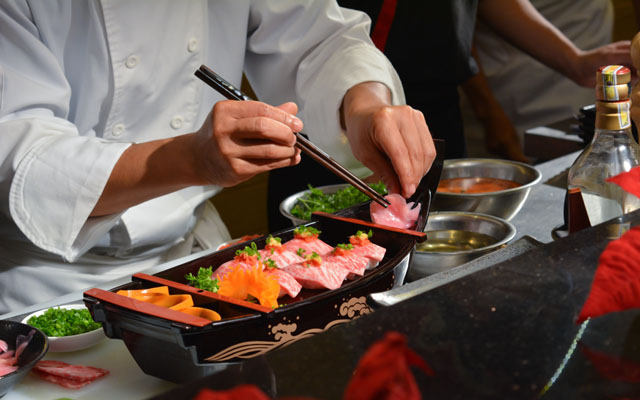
(109,144)
(530,92)
(430,45)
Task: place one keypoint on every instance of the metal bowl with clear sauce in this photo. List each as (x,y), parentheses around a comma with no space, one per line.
(504,203)
(454,238)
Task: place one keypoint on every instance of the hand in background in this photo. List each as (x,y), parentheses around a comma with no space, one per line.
(392,141)
(587,62)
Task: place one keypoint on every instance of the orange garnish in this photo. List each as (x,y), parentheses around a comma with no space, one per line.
(241,283)
(202,313)
(139,292)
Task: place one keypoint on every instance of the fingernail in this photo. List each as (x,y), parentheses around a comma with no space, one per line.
(297,124)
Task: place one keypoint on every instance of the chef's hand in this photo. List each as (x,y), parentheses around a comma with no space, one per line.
(392,141)
(240,139)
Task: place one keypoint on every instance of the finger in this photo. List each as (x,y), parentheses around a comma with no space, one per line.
(391,141)
(428,146)
(289,107)
(256,149)
(249,109)
(265,129)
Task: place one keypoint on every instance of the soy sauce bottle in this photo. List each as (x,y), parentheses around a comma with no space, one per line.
(611,151)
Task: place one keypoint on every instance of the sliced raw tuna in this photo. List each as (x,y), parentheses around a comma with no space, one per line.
(398,215)
(362,246)
(77,373)
(246,259)
(7,369)
(306,238)
(3,346)
(281,255)
(288,284)
(343,257)
(316,274)
(58,380)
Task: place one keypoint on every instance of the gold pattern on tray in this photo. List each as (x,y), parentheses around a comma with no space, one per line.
(283,333)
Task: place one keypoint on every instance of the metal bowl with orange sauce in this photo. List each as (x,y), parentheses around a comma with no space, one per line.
(484,185)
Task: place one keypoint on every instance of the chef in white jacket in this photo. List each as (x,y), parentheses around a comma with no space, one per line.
(109,145)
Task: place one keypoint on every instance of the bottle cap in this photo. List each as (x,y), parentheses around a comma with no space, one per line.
(612,92)
(613,115)
(613,75)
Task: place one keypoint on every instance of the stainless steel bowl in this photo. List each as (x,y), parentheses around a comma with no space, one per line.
(454,238)
(287,204)
(504,203)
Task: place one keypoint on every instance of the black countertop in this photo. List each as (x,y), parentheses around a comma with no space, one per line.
(508,331)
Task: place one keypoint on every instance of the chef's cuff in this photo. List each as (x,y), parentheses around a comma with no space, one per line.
(56,186)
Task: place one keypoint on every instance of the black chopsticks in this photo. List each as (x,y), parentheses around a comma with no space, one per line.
(229,91)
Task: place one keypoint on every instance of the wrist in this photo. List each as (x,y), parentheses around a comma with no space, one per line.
(363,96)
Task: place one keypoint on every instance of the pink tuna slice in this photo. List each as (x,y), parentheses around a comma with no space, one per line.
(288,284)
(317,277)
(309,246)
(355,264)
(282,258)
(398,215)
(371,251)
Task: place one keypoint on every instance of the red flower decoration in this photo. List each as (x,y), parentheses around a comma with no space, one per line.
(612,368)
(629,181)
(384,371)
(616,284)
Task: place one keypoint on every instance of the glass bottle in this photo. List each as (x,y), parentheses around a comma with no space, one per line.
(611,152)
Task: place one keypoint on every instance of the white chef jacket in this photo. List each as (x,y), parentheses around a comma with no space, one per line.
(82,80)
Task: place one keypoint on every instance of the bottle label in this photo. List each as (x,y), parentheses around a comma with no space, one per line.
(623,115)
(610,92)
(610,74)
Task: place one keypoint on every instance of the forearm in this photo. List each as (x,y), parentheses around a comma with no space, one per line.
(522,25)
(149,170)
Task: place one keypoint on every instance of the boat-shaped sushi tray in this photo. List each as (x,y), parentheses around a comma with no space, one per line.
(180,347)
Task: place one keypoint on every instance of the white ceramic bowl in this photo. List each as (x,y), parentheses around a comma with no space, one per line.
(73,342)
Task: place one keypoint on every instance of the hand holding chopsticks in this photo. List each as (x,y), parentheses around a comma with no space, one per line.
(306,146)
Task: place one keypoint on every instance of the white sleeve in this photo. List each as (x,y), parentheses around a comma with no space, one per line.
(51,175)
(312,52)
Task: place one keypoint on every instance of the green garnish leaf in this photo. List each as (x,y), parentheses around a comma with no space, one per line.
(270,263)
(316,200)
(249,250)
(345,246)
(64,322)
(301,252)
(306,230)
(204,280)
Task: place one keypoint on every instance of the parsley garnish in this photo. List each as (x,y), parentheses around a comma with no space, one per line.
(64,322)
(204,280)
(316,200)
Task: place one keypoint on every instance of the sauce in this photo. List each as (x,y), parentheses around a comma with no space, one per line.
(446,241)
(475,185)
